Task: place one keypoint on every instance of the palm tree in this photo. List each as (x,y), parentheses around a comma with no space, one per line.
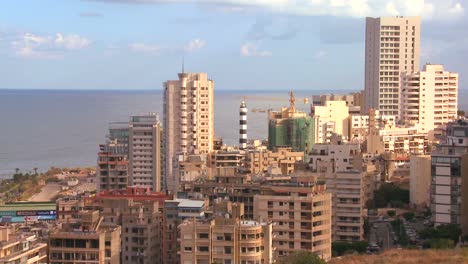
(35,171)
(17,170)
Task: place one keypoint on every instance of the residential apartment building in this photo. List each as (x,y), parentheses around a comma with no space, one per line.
(21,248)
(85,241)
(112,170)
(342,168)
(341,157)
(430,98)
(176,211)
(145,147)
(392,47)
(188,120)
(68,208)
(359,125)
(261,161)
(140,213)
(113,167)
(450,177)
(384,137)
(302,217)
(332,117)
(190,167)
(420,180)
(225,240)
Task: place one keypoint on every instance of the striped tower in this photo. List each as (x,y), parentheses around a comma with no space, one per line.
(243,126)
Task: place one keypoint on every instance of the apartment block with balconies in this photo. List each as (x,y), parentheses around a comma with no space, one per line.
(301,217)
(188,120)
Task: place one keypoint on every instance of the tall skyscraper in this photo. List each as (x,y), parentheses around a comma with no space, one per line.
(430,98)
(145,151)
(243,126)
(188,120)
(392,47)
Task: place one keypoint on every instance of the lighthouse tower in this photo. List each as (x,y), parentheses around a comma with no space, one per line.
(243,126)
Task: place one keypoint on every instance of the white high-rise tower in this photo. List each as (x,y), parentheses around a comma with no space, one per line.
(392,48)
(243,126)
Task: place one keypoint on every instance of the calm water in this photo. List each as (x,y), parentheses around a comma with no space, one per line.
(44,128)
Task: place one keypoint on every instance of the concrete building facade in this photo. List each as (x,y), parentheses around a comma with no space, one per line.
(420,180)
(145,155)
(302,217)
(392,47)
(21,248)
(450,177)
(188,120)
(430,98)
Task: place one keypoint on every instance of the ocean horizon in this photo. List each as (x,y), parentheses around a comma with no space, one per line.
(42,128)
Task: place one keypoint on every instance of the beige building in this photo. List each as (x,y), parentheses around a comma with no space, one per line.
(430,98)
(420,180)
(332,118)
(392,47)
(188,120)
(68,208)
(190,167)
(341,157)
(19,248)
(145,151)
(86,241)
(359,125)
(301,216)
(140,213)
(225,240)
(384,137)
(261,161)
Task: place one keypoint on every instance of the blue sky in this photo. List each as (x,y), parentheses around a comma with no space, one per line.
(242,44)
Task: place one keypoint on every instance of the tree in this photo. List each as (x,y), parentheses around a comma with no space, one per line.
(35,171)
(301,257)
(441,243)
(391,213)
(408,216)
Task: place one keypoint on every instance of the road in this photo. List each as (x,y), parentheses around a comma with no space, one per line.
(48,193)
(381,233)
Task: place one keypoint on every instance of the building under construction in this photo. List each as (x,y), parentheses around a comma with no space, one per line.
(291,128)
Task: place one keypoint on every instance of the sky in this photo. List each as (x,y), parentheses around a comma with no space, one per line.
(241,44)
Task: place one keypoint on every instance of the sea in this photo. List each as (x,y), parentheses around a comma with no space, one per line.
(63,128)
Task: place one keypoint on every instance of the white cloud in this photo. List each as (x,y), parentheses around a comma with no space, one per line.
(251,50)
(29,45)
(350,8)
(194,45)
(150,49)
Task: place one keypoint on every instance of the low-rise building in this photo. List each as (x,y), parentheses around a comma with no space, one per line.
(86,241)
(225,240)
(260,161)
(21,248)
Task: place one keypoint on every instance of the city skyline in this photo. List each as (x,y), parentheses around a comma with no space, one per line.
(139,44)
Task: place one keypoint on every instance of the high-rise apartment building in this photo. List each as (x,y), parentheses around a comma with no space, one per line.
(144,136)
(188,120)
(449,186)
(430,98)
(392,47)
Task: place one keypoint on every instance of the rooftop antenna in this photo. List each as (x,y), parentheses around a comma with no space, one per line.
(183,62)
